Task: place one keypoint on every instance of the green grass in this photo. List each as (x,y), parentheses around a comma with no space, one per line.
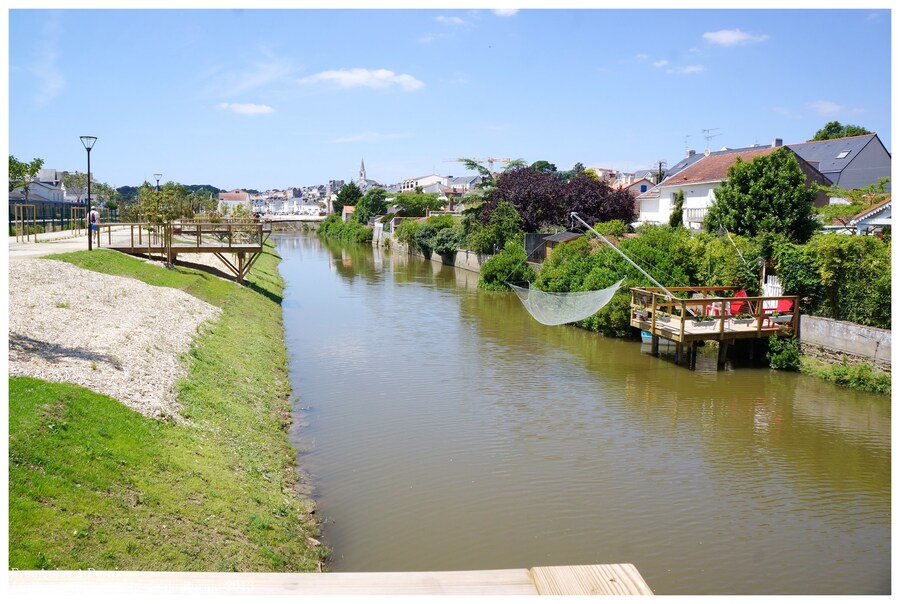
(93,484)
(859,376)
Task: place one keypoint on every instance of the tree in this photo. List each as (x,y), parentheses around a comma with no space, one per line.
(543,166)
(836,130)
(596,201)
(859,199)
(21,173)
(347,196)
(416,204)
(676,219)
(373,203)
(536,196)
(75,182)
(504,225)
(767,194)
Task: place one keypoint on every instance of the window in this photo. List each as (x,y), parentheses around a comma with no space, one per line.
(643,188)
(843,154)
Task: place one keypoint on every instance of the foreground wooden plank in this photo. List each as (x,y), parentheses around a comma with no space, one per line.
(595,579)
(606,579)
(488,582)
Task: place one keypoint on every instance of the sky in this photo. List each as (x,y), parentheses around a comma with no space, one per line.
(269,99)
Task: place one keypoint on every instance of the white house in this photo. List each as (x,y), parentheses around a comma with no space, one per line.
(872,220)
(698,182)
(425,182)
(231,199)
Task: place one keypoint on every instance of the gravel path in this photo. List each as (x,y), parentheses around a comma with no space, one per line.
(114,335)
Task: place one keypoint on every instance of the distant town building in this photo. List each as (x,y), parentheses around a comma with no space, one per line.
(231,199)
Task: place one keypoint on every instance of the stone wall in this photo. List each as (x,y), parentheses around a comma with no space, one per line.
(464,259)
(832,340)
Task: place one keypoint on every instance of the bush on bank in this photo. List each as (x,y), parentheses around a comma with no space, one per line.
(350,232)
(93,484)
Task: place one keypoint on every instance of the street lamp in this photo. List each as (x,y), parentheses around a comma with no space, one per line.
(157,177)
(88,142)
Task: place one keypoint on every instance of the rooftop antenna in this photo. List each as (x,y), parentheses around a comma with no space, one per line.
(686,147)
(708,135)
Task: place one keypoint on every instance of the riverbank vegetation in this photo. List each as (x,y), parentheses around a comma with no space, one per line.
(93,484)
(837,276)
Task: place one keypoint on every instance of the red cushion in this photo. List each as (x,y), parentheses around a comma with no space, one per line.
(735,307)
(784,305)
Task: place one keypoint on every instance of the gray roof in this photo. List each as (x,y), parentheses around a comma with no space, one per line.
(830,154)
(563,236)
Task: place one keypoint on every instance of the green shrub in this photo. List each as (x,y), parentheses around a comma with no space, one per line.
(616,228)
(860,376)
(507,266)
(406,231)
(351,231)
(503,225)
(784,353)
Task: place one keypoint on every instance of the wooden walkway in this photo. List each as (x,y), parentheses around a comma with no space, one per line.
(243,241)
(597,579)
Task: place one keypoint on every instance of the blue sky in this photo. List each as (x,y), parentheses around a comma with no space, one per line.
(276,98)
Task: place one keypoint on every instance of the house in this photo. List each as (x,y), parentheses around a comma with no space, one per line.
(850,163)
(231,199)
(637,187)
(47,186)
(872,220)
(698,182)
(347,212)
(409,185)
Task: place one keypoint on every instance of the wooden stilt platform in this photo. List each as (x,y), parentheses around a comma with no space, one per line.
(243,241)
(678,319)
(596,579)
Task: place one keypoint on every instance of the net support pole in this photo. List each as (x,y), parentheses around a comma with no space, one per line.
(621,253)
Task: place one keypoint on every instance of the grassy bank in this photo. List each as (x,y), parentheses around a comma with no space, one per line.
(93,484)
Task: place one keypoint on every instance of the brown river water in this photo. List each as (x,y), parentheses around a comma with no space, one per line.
(442,428)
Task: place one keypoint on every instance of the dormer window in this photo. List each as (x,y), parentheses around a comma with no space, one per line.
(843,154)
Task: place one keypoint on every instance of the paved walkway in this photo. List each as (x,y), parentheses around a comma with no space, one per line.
(47,243)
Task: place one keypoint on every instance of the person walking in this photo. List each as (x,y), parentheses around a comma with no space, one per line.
(94,224)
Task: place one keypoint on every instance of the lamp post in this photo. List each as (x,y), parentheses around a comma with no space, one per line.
(88,142)
(157,177)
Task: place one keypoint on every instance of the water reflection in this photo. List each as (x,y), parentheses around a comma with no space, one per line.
(449,430)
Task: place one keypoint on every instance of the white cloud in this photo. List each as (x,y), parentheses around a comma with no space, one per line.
(687,69)
(505,12)
(365,78)
(246,108)
(641,56)
(366,137)
(449,20)
(826,107)
(733,37)
(660,63)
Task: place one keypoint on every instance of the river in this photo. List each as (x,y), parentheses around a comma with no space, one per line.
(442,428)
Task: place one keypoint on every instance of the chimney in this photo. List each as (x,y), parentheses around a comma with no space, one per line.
(777,142)
(691,153)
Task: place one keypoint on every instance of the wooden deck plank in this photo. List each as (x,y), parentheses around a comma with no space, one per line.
(590,580)
(608,579)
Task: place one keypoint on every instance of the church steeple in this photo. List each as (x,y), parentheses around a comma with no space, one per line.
(362,174)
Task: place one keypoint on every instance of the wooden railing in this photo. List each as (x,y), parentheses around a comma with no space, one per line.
(652,305)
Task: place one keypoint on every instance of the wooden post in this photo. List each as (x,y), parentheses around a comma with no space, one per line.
(654,345)
(723,354)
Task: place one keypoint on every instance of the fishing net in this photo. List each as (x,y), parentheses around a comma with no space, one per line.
(552,308)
